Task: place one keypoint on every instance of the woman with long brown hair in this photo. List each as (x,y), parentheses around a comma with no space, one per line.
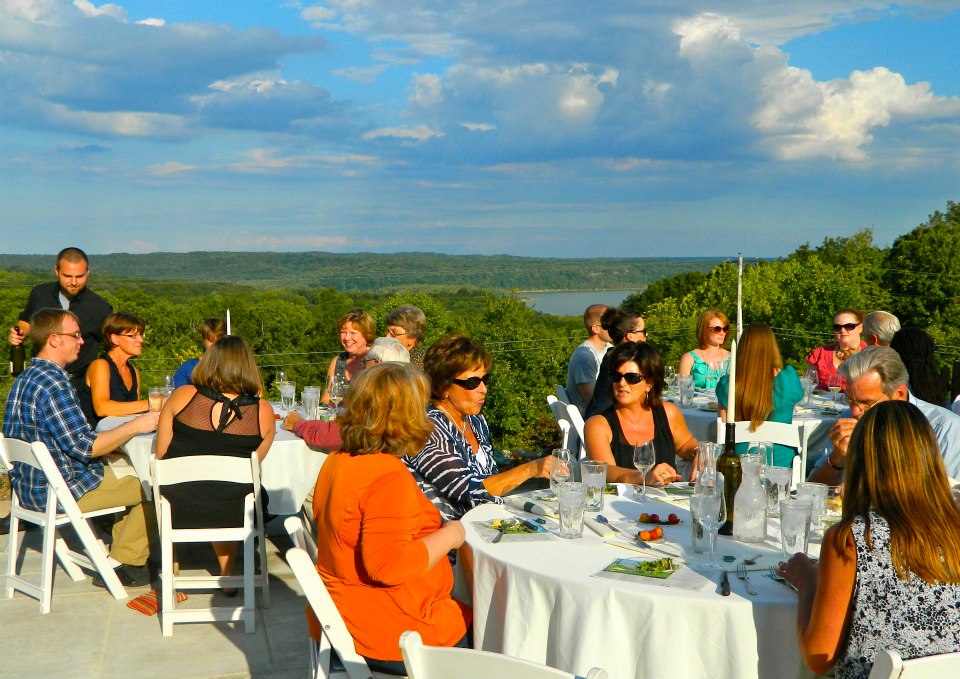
(889,572)
(766,390)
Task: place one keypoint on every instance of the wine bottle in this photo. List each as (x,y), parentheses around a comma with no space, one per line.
(728,464)
(18,356)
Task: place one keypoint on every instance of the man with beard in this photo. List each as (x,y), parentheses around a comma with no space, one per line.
(70,292)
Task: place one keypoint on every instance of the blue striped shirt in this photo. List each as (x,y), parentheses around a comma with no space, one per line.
(449,473)
(43,406)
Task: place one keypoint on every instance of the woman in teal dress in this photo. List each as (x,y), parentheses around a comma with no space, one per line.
(766,391)
(709,360)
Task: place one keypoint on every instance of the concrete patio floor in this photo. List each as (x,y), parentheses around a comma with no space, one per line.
(90,635)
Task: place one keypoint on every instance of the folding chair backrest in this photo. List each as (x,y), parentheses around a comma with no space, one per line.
(793,435)
(559,410)
(174,470)
(334,629)
(577,443)
(889,665)
(561,393)
(440,662)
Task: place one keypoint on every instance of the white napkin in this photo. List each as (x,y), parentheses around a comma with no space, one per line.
(604,530)
(532,507)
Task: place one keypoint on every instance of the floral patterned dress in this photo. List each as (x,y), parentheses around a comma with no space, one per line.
(910,616)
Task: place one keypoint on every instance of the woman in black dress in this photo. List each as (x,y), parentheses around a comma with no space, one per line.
(221,413)
(638,415)
(114,380)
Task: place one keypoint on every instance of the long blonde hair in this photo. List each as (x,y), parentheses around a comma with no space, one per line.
(758,357)
(894,467)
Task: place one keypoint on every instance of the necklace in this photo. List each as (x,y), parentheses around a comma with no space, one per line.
(462,428)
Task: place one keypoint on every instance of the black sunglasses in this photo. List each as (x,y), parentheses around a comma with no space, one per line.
(472,383)
(631,378)
(849,327)
(720,328)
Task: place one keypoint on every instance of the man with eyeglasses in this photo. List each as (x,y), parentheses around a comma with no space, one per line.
(42,406)
(584,364)
(69,292)
(873,375)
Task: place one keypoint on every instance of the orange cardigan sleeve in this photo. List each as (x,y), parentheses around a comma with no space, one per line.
(391,524)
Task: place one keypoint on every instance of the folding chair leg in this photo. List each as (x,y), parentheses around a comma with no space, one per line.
(12,553)
(46,566)
(249,585)
(94,550)
(66,560)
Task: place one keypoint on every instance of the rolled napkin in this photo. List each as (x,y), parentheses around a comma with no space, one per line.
(604,530)
(532,507)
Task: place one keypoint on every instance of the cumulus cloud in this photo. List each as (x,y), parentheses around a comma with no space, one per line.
(420,133)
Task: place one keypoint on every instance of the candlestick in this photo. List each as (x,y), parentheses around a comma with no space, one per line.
(228,322)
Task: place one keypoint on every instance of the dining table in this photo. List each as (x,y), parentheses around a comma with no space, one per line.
(551,600)
(288,472)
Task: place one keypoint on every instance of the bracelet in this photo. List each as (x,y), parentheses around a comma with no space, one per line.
(830,462)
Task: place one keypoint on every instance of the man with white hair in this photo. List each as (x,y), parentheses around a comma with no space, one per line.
(873,375)
(879,327)
(386,350)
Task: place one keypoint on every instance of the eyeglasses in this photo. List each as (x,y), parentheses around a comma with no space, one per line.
(74,335)
(641,331)
(472,383)
(849,327)
(367,362)
(395,333)
(720,328)
(133,336)
(864,406)
(631,378)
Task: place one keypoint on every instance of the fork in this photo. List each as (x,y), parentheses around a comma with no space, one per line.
(742,575)
(779,578)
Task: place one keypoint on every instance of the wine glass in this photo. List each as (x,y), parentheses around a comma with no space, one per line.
(336,389)
(560,471)
(813,376)
(834,383)
(670,375)
(711,514)
(644,458)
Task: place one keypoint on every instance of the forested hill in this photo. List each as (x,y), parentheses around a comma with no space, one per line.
(382,272)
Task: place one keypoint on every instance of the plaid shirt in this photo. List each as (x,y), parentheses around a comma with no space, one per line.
(43,406)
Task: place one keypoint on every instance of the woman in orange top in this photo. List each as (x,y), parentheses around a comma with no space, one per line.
(381,546)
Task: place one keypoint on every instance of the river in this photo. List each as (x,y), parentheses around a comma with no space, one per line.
(572,303)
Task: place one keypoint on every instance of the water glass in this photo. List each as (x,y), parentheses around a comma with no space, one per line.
(311,402)
(594,476)
(794,526)
(288,394)
(816,494)
(687,390)
(572,497)
(155,399)
(776,481)
(807,385)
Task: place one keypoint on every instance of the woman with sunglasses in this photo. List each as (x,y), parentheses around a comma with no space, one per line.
(638,415)
(847,326)
(456,469)
(766,390)
(708,361)
(114,380)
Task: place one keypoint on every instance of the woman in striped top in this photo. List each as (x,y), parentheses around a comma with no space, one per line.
(456,469)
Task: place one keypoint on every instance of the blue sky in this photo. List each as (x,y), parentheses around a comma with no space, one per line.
(564,128)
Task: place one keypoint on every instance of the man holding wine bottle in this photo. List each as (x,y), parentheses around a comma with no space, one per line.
(68,292)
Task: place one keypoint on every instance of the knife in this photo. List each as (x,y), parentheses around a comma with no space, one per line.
(724,584)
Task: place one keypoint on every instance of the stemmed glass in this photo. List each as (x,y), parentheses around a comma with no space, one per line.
(670,374)
(644,458)
(834,382)
(560,471)
(336,389)
(813,376)
(711,514)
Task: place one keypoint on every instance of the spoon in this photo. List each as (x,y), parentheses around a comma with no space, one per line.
(604,520)
(753,559)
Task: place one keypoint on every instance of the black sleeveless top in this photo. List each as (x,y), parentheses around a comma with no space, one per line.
(663,442)
(118,390)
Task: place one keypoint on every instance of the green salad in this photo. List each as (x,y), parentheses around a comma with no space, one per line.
(514,527)
(659,568)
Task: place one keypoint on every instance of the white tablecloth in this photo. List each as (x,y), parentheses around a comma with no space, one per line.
(288,472)
(537,600)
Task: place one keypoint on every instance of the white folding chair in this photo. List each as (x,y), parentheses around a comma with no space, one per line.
(211,468)
(441,662)
(793,435)
(889,665)
(38,456)
(558,408)
(335,635)
(578,445)
(561,393)
(296,528)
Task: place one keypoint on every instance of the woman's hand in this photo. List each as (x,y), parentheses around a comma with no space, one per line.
(799,571)
(662,474)
(455,533)
(542,467)
(290,421)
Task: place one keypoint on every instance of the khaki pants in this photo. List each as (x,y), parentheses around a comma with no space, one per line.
(131,537)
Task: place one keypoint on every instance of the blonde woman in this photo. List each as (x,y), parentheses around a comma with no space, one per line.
(766,390)
(357,332)
(889,572)
(709,360)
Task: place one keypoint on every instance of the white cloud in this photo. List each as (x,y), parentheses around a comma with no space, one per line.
(478,127)
(170,168)
(420,133)
(151,21)
(107,10)
(366,74)
(427,90)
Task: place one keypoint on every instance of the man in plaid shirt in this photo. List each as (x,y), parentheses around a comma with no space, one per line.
(43,406)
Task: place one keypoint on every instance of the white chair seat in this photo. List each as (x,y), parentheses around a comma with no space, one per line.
(793,435)
(50,520)
(889,665)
